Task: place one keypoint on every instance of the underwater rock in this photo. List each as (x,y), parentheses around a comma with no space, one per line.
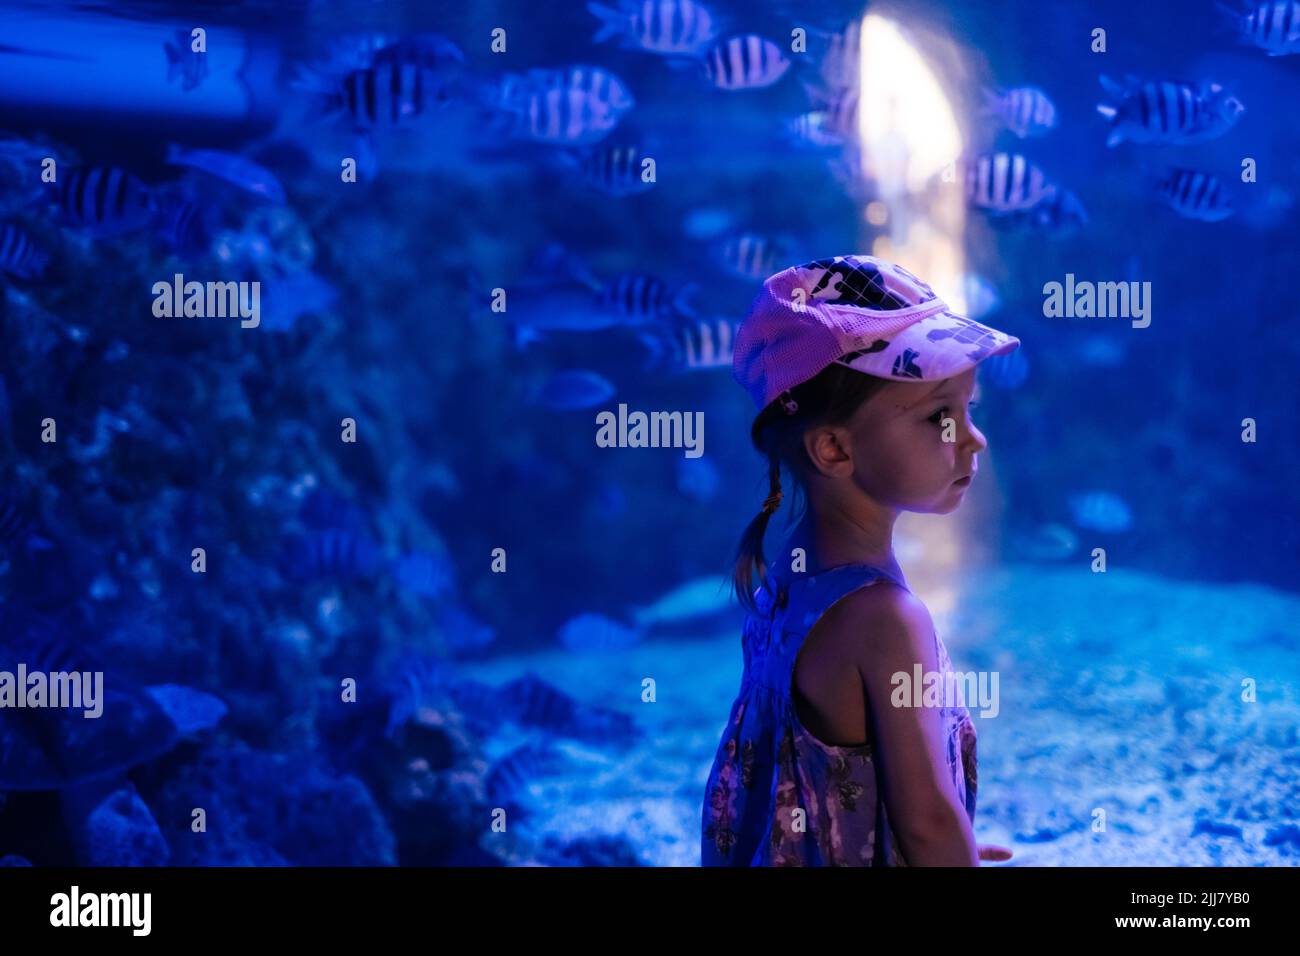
(428,771)
(120,831)
(268,809)
(533,702)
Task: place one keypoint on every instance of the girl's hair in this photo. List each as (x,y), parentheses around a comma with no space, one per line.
(828,398)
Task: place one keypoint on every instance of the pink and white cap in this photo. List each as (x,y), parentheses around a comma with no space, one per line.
(859,311)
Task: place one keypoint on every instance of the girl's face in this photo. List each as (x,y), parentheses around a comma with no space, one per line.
(900,457)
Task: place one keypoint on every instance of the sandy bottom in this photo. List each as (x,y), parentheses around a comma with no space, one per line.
(1122,737)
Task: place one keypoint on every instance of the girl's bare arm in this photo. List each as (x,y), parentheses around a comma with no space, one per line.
(911,745)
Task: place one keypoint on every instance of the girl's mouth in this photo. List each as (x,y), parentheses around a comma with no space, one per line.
(963,481)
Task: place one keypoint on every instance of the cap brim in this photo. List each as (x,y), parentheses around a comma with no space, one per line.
(934,348)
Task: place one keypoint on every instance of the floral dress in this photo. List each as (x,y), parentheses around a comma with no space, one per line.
(777,795)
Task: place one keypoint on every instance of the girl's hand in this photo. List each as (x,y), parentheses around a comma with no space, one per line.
(988,851)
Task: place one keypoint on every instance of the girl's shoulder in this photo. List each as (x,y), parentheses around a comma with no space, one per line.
(884,623)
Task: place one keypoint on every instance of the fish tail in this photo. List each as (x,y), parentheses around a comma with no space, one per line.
(682,300)
(612,22)
(1230,19)
(654,346)
(992,100)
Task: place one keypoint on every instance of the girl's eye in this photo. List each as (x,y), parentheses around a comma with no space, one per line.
(938,416)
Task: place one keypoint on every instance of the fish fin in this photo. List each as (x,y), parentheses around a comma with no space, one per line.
(1108,111)
(1110,86)
(667,345)
(681,301)
(654,346)
(612,22)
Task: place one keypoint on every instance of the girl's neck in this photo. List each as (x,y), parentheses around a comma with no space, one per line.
(832,536)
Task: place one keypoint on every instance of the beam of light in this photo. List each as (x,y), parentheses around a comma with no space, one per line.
(908,136)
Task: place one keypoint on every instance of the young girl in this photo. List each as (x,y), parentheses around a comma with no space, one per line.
(863,378)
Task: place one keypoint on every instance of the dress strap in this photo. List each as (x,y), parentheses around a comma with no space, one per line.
(810,596)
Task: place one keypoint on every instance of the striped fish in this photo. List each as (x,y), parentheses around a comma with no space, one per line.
(748,255)
(388,94)
(1167,112)
(614,170)
(638,297)
(19,256)
(1025,110)
(509,780)
(1196,195)
(104,200)
(670,27)
(707,344)
(577,105)
(1273,26)
(330,554)
(1001,183)
(747,62)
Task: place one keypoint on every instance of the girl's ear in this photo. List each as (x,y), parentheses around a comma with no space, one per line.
(828,450)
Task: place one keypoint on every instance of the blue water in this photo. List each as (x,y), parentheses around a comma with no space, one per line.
(397,491)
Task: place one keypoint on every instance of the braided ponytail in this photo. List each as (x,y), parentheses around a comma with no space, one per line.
(831,397)
(749,554)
